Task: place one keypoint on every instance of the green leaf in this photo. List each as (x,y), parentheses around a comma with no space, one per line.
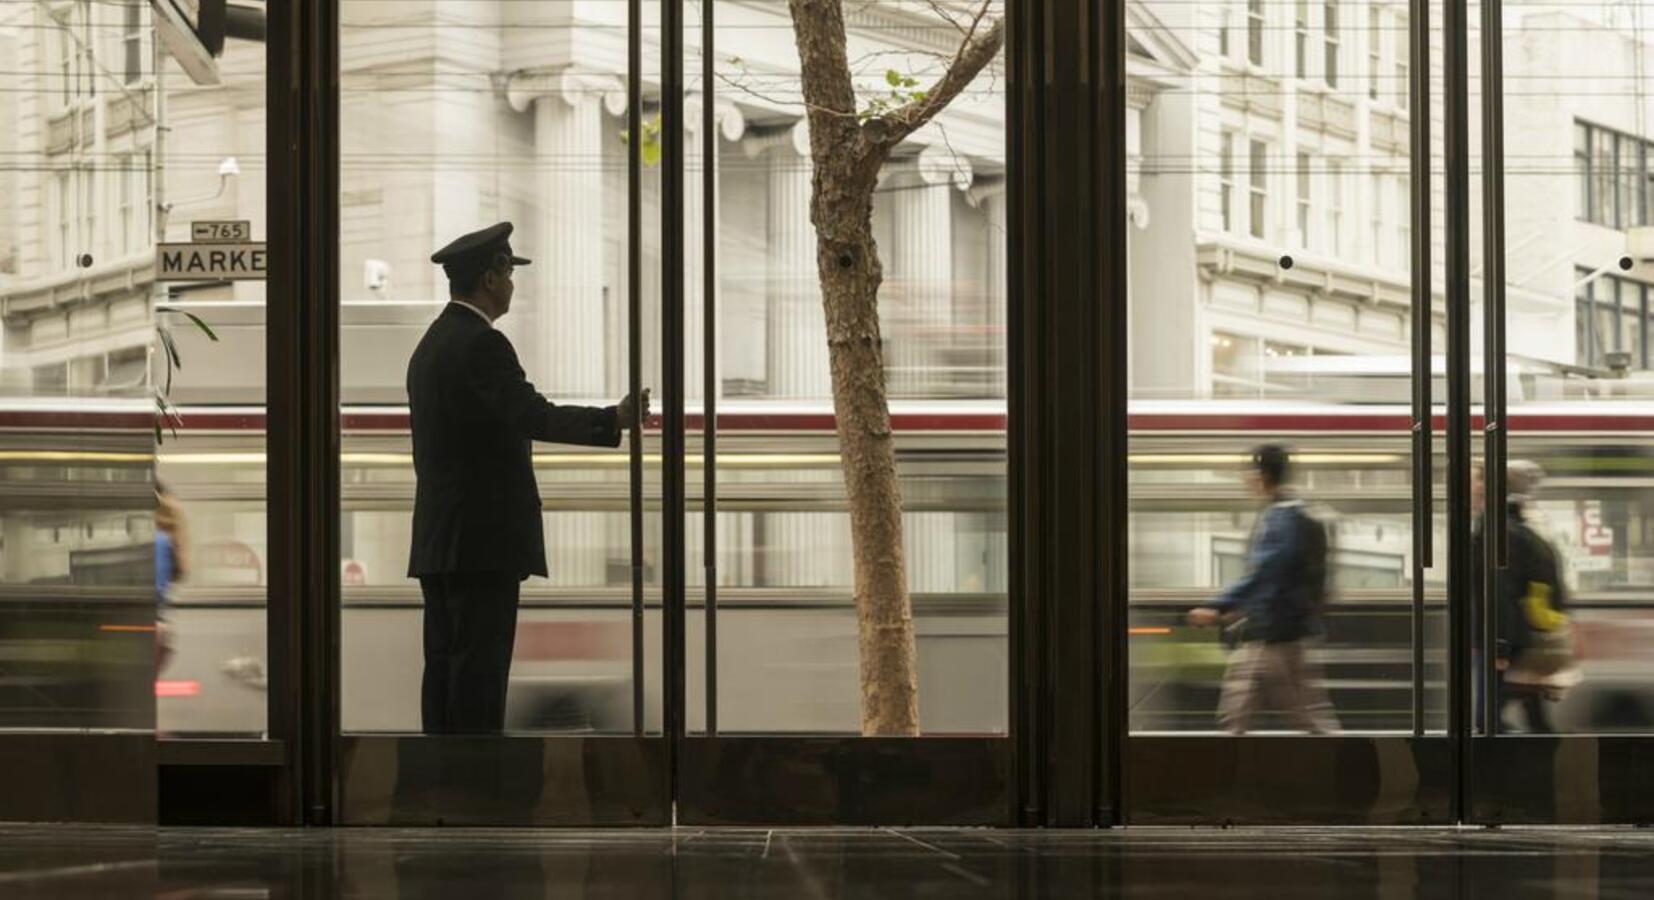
(651,153)
(205,328)
(910,82)
(920,95)
(893,78)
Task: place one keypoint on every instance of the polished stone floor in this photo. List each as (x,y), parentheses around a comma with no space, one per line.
(176,864)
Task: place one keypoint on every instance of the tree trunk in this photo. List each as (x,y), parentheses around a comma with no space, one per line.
(848,263)
(846,156)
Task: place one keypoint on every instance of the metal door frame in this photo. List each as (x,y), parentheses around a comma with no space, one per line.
(1356,779)
(1571,779)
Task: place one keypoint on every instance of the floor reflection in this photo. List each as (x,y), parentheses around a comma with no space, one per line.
(405,864)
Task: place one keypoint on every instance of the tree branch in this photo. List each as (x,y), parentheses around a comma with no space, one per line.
(974,54)
(829,93)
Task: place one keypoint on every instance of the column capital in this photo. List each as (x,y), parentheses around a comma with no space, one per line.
(732,123)
(984,190)
(796,135)
(569,85)
(939,165)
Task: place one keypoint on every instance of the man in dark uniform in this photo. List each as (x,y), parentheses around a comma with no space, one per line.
(477,531)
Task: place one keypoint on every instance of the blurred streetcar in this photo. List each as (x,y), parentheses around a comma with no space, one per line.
(786,630)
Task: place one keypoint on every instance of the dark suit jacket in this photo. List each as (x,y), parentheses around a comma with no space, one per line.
(475,416)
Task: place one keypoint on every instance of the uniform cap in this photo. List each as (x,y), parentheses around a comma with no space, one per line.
(477,250)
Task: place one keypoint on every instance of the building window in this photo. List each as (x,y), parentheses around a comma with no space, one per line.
(1300,30)
(1235,366)
(1224,44)
(1602,143)
(87,185)
(65,61)
(1335,206)
(1404,222)
(127,201)
(1376,210)
(1329,28)
(132,41)
(64,210)
(1610,314)
(1259,188)
(1226,178)
(1630,157)
(1254,31)
(1375,59)
(1402,55)
(146,221)
(1614,184)
(1582,169)
(1303,198)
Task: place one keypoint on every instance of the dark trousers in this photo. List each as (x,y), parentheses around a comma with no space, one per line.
(470,627)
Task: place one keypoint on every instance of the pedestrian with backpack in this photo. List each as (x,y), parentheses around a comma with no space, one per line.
(1276,608)
(1533,657)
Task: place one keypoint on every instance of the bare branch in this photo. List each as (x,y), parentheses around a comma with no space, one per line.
(818,29)
(974,55)
(947,16)
(756,94)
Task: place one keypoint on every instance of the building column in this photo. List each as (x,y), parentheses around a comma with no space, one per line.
(917,301)
(562,318)
(559,306)
(796,324)
(989,196)
(730,125)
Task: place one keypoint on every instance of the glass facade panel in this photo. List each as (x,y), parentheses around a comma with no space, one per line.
(1242,341)
(1580,495)
(453,120)
(790,552)
(86,559)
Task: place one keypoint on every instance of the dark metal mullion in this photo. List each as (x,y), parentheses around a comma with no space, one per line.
(1112,439)
(673,505)
(302,374)
(709,357)
(1495,526)
(634,331)
(1022,135)
(1418,36)
(1456,153)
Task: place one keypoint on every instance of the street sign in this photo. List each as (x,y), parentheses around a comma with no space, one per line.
(210,262)
(212,232)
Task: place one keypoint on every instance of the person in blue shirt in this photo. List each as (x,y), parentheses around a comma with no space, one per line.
(1275,608)
(169,566)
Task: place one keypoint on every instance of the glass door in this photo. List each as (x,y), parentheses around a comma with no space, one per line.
(501,635)
(1559,652)
(1287,606)
(846,588)
(81,608)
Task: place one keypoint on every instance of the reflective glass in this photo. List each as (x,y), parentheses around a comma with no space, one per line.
(1284,321)
(791,641)
(454,118)
(82,596)
(1576,125)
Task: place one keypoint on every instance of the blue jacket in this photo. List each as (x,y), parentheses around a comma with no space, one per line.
(1274,595)
(164,565)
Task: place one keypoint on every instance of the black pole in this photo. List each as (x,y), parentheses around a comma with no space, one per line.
(709,354)
(1495,526)
(1112,389)
(302,418)
(1456,149)
(1024,36)
(634,331)
(1424,519)
(672,375)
